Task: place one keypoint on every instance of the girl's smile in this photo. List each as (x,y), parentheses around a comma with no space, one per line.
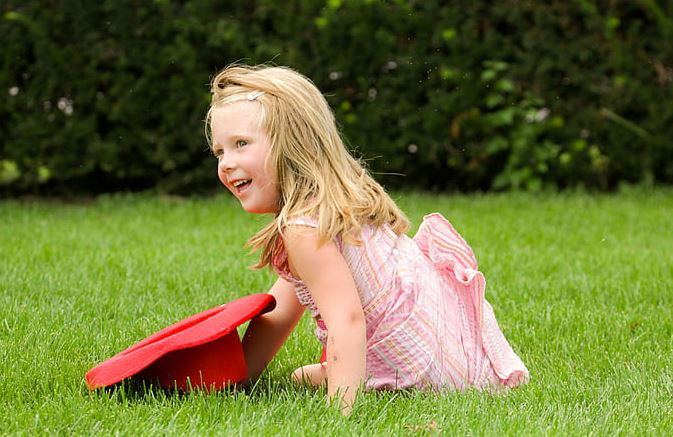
(242,147)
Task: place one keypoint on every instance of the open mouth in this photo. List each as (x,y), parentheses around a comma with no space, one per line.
(242,185)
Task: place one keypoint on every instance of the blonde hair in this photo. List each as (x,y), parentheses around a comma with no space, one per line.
(317,176)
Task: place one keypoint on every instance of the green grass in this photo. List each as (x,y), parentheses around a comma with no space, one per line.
(581,285)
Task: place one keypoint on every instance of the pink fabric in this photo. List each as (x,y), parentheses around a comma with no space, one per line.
(427,321)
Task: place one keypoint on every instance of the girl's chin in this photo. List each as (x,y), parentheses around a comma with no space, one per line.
(259,210)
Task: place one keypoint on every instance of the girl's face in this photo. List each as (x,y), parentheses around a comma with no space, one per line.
(241,147)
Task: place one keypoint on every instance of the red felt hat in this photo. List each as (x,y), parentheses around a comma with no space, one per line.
(203,350)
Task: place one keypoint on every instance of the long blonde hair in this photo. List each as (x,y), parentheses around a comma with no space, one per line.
(317,176)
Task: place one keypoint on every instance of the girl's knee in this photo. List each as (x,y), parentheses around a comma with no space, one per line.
(298,375)
(312,374)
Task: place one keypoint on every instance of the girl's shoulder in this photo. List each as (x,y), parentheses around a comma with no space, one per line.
(280,259)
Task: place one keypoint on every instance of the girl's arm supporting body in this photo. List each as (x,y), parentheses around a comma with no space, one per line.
(267,333)
(329,279)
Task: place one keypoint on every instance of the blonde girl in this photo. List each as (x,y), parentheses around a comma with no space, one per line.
(391,311)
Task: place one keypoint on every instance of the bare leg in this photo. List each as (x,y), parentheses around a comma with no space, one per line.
(312,374)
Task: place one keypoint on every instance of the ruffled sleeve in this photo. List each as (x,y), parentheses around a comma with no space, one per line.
(448,251)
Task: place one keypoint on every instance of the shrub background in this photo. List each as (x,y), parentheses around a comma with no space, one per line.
(467,95)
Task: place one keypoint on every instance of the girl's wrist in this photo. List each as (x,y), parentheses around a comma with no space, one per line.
(344,399)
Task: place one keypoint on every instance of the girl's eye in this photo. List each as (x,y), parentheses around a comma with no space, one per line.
(241,143)
(217,153)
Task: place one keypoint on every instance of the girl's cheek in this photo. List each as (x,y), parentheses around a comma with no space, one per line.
(271,174)
(222,176)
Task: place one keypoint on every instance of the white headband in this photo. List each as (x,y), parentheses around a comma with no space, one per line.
(253,95)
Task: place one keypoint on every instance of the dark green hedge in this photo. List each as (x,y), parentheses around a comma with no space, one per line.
(466,95)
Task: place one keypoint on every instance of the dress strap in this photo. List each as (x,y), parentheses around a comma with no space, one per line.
(304,221)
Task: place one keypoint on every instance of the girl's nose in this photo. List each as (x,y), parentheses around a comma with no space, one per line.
(224,167)
(225,163)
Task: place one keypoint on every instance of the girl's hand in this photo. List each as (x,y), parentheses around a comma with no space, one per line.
(330,282)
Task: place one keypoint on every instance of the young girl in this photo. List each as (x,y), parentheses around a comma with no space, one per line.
(392,312)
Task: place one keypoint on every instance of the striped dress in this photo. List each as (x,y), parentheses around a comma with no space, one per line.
(427,322)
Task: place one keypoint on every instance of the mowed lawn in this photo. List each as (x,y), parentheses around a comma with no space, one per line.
(582,286)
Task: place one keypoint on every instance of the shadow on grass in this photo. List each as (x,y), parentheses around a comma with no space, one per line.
(136,390)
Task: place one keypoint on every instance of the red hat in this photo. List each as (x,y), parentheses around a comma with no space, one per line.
(203,350)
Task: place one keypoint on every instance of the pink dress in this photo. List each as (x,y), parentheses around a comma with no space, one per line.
(427,322)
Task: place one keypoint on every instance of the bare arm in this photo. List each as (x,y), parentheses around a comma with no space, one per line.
(267,333)
(329,279)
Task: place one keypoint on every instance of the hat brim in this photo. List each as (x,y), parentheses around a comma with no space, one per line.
(195,345)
